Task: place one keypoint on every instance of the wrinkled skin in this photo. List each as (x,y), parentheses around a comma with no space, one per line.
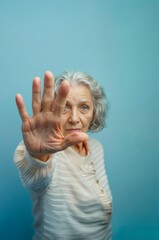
(42,132)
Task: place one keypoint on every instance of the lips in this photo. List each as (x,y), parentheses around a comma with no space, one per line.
(74,130)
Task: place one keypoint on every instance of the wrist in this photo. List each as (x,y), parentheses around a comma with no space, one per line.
(41,157)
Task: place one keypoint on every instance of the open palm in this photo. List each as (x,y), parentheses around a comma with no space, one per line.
(42,133)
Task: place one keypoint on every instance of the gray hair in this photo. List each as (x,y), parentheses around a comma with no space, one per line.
(98,95)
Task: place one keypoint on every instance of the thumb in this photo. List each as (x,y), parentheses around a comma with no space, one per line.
(74,138)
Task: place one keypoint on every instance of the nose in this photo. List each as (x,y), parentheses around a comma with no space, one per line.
(74,116)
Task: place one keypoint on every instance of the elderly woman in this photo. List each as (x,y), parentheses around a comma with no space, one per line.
(61,166)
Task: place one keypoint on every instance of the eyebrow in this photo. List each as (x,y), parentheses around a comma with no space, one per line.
(81,101)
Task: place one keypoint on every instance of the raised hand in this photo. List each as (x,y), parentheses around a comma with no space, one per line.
(42,133)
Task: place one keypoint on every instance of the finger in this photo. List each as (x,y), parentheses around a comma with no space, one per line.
(36,99)
(21,108)
(75,138)
(60,101)
(48,93)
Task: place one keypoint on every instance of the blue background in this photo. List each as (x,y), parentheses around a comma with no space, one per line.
(117,42)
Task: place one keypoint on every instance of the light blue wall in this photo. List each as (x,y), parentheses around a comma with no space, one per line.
(116,42)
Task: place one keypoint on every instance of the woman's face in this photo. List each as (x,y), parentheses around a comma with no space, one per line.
(78,112)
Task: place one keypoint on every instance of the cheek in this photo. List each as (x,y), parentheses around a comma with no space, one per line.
(87,120)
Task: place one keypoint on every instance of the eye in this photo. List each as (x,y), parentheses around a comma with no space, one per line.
(66,108)
(84,107)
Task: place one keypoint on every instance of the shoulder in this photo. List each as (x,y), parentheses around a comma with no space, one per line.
(95,144)
(94,141)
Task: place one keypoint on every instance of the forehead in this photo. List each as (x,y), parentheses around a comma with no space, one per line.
(79,92)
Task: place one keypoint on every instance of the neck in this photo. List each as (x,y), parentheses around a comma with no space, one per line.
(81,148)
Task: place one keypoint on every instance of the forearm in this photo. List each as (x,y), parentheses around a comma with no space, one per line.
(35,174)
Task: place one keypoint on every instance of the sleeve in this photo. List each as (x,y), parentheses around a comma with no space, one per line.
(35,174)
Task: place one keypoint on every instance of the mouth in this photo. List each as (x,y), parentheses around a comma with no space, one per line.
(73,130)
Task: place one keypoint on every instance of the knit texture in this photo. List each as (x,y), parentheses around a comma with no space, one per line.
(70,194)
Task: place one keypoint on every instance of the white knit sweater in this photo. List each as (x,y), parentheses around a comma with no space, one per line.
(70,194)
